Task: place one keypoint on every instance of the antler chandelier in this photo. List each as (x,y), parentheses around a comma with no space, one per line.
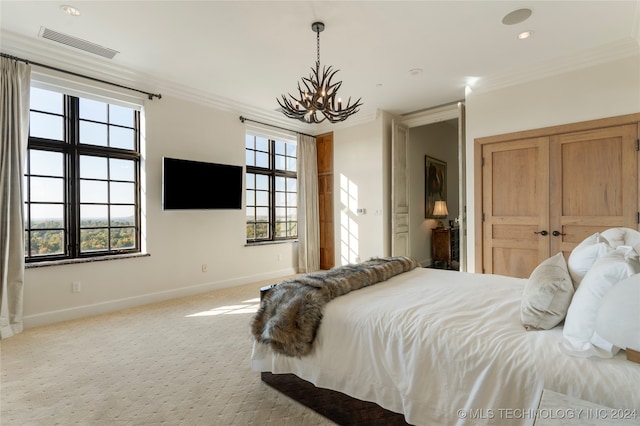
(318,95)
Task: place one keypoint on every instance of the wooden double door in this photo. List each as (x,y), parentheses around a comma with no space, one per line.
(544,191)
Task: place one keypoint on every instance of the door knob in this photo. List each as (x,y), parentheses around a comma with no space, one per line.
(543,232)
(557,233)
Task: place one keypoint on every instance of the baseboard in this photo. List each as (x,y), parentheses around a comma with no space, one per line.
(52,317)
(426,262)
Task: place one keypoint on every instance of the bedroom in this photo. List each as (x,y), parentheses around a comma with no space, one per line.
(588,85)
(576,87)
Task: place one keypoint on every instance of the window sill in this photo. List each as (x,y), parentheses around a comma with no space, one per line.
(266,243)
(84,260)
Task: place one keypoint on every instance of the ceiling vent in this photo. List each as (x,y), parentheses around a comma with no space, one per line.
(78,43)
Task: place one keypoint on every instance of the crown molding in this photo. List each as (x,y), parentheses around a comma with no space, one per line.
(273,117)
(35,50)
(606,53)
(432,115)
(64,58)
(52,55)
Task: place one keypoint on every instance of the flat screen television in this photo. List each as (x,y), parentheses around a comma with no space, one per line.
(193,185)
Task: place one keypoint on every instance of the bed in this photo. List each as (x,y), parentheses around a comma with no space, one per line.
(445,347)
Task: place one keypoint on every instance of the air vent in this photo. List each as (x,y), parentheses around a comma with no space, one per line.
(78,43)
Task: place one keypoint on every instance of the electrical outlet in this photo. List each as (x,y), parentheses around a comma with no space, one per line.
(279,256)
(75,287)
(204,267)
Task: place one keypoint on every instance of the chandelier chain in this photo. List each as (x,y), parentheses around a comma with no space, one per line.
(318,44)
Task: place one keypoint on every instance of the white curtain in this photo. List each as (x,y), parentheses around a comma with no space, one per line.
(14,122)
(308,210)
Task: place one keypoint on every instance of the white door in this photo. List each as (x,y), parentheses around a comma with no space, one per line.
(399,190)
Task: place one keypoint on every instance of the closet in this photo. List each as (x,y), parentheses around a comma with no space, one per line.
(543,191)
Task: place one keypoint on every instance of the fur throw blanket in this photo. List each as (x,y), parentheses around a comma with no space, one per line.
(290,312)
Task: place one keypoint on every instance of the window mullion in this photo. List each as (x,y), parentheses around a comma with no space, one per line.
(73,184)
(138,207)
(272,190)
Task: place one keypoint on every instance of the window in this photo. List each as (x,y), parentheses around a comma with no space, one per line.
(272,189)
(81,178)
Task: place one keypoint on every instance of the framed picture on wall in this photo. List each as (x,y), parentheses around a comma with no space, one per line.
(435,184)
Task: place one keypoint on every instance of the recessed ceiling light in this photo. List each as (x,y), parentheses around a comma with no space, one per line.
(517,16)
(525,34)
(70,10)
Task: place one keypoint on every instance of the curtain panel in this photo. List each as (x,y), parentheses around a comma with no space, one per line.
(308,210)
(14,121)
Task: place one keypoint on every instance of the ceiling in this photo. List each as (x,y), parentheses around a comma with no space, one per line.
(399,56)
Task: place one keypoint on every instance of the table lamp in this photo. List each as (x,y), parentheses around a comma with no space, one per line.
(440,212)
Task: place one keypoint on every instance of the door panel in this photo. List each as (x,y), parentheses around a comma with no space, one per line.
(514,262)
(515,206)
(324,144)
(462,194)
(400,190)
(594,183)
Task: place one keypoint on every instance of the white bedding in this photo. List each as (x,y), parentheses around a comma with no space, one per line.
(448,348)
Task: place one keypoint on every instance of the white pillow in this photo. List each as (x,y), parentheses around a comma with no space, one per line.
(622,237)
(584,255)
(619,314)
(579,325)
(547,295)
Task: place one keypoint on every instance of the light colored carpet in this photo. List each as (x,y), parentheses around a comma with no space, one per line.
(181,362)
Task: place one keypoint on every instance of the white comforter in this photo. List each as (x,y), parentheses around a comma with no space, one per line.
(448,348)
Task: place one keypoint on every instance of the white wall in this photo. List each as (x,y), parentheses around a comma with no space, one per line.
(601,91)
(438,140)
(178,242)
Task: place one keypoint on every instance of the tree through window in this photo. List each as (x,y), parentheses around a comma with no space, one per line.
(81,179)
(272,189)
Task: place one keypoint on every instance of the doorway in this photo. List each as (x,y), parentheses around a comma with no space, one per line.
(432,142)
(438,134)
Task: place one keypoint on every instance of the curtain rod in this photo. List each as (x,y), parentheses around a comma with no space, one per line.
(243,119)
(26,61)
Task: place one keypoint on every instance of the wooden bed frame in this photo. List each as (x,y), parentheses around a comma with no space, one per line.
(336,406)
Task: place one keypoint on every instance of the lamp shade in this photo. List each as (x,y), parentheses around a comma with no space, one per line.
(618,319)
(440,209)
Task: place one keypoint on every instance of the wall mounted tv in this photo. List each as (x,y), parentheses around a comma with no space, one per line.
(192,185)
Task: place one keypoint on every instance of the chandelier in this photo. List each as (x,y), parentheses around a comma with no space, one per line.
(318,94)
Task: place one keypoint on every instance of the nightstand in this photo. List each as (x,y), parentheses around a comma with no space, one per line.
(445,247)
